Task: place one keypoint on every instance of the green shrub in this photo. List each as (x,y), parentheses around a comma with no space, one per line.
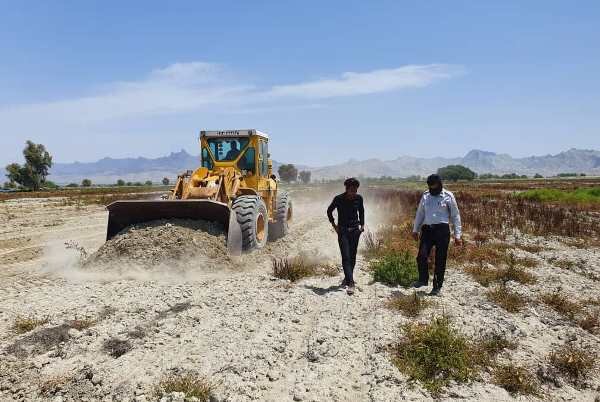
(395,269)
(434,354)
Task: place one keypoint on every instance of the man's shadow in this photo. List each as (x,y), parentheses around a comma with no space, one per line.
(323,291)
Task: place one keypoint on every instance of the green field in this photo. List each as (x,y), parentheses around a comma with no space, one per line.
(578,196)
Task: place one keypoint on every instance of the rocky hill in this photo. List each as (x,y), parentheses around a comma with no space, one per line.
(108,170)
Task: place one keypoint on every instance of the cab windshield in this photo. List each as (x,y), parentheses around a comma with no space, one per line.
(227,149)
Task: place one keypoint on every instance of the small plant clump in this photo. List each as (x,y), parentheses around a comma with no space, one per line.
(116,347)
(52,385)
(82,323)
(489,346)
(572,361)
(561,304)
(434,354)
(301,266)
(590,322)
(516,380)
(507,299)
(516,274)
(411,305)
(22,325)
(484,276)
(395,269)
(192,386)
(372,244)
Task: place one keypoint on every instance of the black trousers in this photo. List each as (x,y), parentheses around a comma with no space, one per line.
(348,241)
(438,236)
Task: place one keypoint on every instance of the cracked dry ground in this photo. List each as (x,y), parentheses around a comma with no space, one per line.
(257,337)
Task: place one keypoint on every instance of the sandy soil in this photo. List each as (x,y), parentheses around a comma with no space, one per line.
(258,337)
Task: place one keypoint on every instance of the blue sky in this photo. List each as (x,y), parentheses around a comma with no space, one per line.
(328,80)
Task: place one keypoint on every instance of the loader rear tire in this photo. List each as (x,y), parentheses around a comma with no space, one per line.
(283,216)
(252,216)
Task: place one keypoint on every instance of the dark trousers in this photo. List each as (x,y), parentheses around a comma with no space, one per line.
(438,236)
(348,241)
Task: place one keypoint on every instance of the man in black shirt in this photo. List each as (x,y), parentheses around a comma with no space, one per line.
(351,222)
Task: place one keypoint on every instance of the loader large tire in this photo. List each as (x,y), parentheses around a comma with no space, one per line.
(252,216)
(283,216)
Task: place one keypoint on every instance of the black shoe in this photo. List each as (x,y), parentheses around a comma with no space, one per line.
(435,292)
(419,284)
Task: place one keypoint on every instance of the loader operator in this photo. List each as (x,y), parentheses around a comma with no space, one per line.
(351,222)
(436,210)
(233,152)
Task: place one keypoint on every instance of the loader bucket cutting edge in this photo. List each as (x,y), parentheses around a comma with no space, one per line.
(122,214)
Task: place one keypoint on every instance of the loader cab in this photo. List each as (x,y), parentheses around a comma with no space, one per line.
(246,150)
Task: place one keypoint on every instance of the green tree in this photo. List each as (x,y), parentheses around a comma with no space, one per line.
(288,173)
(165,181)
(33,173)
(148,183)
(138,183)
(456,172)
(86,183)
(120,182)
(305,176)
(72,185)
(538,176)
(50,184)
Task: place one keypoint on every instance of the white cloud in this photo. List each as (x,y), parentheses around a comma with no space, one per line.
(195,90)
(185,87)
(350,84)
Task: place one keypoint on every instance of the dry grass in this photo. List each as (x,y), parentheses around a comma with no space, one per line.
(138,332)
(302,266)
(484,276)
(373,244)
(515,273)
(82,323)
(530,248)
(52,385)
(590,322)
(22,325)
(193,386)
(507,299)
(516,380)
(560,303)
(116,347)
(489,346)
(574,362)
(411,305)
(565,264)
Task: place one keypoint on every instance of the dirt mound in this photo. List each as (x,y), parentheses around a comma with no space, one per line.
(173,242)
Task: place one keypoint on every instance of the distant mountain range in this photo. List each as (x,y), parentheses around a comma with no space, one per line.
(109,170)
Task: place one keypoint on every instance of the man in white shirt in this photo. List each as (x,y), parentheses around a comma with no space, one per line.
(437,209)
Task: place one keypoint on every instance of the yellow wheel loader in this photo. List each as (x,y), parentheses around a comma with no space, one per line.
(234,186)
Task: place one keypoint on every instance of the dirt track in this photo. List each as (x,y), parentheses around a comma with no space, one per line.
(259,338)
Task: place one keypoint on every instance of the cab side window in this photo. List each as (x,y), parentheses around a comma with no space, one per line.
(264,161)
(206,159)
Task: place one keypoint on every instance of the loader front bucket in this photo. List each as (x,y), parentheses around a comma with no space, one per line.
(126,213)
